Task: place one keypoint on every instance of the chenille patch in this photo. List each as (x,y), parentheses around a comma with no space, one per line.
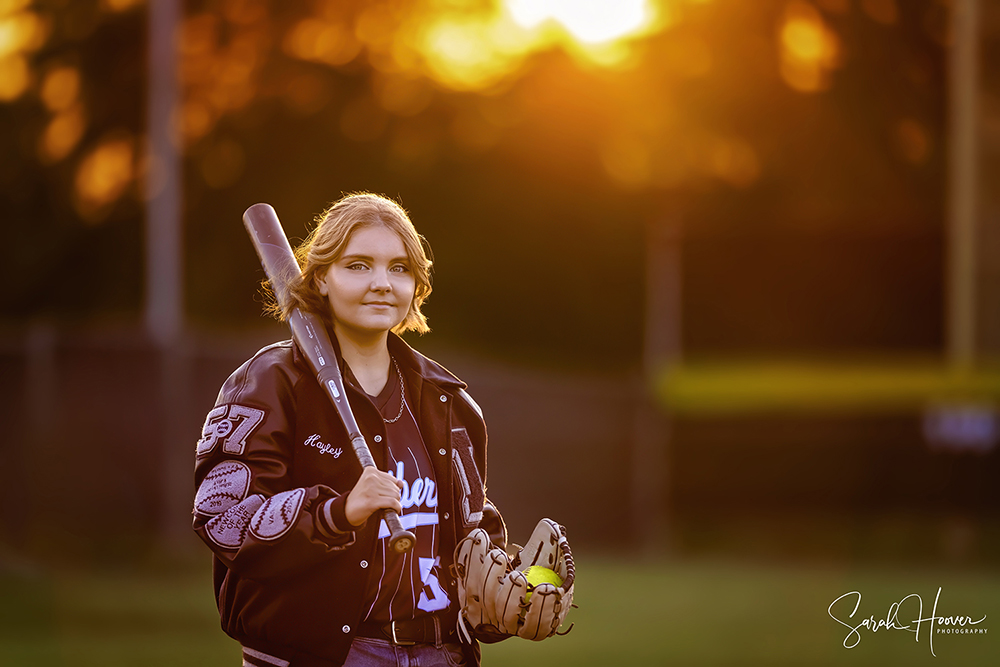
(470,483)
(229,529)
(277,515)
(232,425)
(226,485)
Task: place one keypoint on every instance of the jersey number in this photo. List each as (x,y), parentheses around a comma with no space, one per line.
(230,423)
(432,597)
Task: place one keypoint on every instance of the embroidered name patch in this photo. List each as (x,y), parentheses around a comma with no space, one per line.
(226,485)
(229,529)
(314,441)
(277,515)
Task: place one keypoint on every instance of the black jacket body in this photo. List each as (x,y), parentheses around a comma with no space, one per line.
(273,469)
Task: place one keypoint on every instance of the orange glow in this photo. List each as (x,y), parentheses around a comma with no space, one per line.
(120,5)
(11,6)
(322,41)
(735,162)
(198,35)
(102,177)
(588,21)
(835,6)
(306,93)
(473,131)
(61,135)
(245,11)
(881,11)
(476,49)
(413,147)
(804,39)
(61,88)
(472,53)
(477,52)
(196,121)
(219,67)
(912,140)
(627,161)
(14,77)
(377,26)
(809,50)
(402,95)
(688,56)
(22,32)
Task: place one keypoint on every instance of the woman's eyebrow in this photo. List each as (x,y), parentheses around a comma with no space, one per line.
(401,258)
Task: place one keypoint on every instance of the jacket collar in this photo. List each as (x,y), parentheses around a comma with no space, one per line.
(427,369)
(409,359)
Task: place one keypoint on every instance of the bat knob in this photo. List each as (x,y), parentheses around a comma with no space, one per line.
(402,541)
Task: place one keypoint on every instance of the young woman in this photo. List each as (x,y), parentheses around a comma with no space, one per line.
(303,574)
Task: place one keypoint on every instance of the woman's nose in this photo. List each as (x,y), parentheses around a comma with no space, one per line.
(380,281)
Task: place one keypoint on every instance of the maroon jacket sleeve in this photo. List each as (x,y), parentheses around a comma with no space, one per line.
(246,508)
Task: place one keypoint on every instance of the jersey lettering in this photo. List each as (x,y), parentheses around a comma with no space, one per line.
(421,493)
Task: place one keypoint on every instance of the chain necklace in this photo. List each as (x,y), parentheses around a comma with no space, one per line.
(402,395)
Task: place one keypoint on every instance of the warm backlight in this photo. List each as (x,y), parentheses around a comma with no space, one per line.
(475,51)
(588,21)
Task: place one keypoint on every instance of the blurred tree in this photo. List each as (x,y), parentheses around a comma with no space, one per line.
(798,139)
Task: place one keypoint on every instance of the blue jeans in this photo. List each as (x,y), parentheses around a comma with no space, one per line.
(366,652)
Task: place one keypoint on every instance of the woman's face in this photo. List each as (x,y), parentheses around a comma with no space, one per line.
(370,287)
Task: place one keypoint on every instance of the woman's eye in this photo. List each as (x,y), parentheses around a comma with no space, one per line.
(400,268)
(357,266)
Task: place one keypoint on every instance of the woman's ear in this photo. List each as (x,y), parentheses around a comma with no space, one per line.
(320,279)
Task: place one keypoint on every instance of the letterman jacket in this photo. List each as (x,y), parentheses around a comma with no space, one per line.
(273,469)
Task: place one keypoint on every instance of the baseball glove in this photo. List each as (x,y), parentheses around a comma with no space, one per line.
(496,599)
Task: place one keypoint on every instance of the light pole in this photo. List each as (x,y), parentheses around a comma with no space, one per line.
(164,289)
(650,470)
(962,184)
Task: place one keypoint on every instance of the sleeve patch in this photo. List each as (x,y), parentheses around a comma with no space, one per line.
(231,425)
(223,487)
(470,483)
(277,515)
(230,528)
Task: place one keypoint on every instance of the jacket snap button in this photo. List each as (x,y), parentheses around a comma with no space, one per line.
(346,628)
(444,398)
(447,516)
(442,452)
(378,438)
(364,563)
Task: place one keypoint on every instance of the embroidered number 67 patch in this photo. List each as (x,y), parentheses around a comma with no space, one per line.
(232,424)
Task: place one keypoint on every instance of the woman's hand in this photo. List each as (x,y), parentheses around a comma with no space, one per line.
(375,490)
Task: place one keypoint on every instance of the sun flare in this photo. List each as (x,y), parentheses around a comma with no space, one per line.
(588,21)
(471,51)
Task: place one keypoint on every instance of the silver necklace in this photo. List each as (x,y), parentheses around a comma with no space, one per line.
(402,395)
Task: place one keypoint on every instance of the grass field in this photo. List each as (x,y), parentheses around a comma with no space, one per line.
(631,612)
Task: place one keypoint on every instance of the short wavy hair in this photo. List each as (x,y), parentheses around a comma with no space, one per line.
(326,243)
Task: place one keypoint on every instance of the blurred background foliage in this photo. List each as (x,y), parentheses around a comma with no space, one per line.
(801,143)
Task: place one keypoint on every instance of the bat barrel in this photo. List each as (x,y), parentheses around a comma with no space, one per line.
(272,247)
